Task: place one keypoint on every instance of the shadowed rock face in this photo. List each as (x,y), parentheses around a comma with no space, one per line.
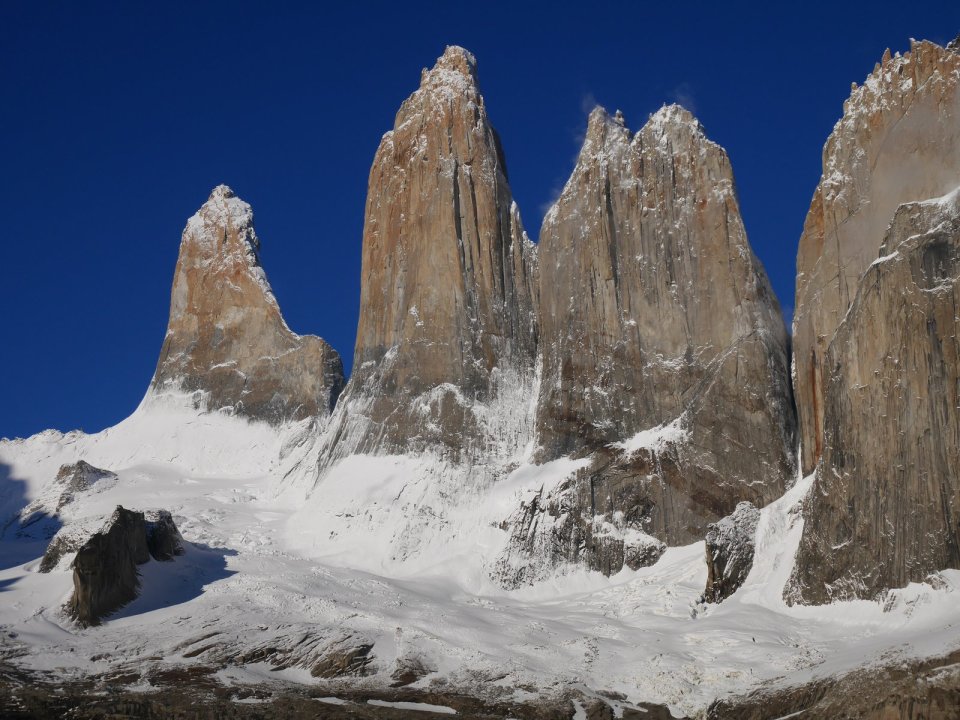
(226,339)
(447,317)
(885,505)
(105,574)
(898,141)
(656,317)
(164,541)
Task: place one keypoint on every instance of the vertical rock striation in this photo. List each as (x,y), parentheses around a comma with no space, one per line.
(885,505)
(898,141)
(226,341)
(447,309)
(664,353)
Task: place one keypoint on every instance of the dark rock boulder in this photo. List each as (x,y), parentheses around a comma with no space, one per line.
(105,576)
(730,548)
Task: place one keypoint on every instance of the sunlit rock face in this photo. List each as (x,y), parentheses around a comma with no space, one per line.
(664,356)
(885,505)
(898,141)
(447,335)
(227,343)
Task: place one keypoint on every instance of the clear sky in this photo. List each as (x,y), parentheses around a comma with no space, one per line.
(119,118)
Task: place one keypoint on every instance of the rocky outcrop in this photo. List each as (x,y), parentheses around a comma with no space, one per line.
(77,478)
(910,689)
(730,549)
(227,343)
(568,526)
(447,322)
(898,141)
(105,576)
(885,504)
(664,353)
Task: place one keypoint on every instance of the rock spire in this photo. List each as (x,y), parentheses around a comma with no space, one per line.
(227,343)
(447,309)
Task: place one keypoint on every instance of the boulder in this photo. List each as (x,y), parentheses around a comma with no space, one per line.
(730,549)
(105,575)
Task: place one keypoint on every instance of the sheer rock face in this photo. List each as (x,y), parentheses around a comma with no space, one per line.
(226,340)
(885,505)
(658,325)
(730,545)
(447,307)
(898,141)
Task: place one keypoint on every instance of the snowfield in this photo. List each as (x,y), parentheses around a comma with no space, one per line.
(395,552)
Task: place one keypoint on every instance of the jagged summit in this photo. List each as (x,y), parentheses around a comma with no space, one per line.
(454,74)
(221,192)
(222,231)
(457,59)
(673,119)
(227,344)
(670,120)
(600,116)
(662,346)
(898,141)
(447,303)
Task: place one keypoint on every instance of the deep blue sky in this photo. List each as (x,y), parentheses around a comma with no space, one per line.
(116,124)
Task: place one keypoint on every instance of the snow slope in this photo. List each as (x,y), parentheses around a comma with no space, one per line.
(390,551)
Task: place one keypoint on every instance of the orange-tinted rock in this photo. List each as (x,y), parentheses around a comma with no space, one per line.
(885,505)
(898,141)
(447,308)
(227,343)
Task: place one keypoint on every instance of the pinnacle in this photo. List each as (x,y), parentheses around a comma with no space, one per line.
(674,114)
(455,59)
(598,116)
(221,192)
